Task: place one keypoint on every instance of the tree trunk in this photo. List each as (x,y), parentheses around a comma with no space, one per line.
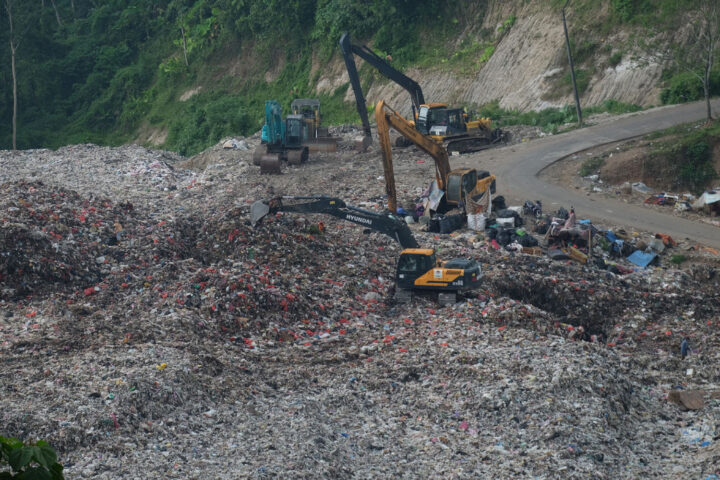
(182,31)
(13,48)
(15,106)
(706,76)
(57,14)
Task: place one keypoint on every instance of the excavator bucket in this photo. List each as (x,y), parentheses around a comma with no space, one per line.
(362,143)
(258,210)
(322,144)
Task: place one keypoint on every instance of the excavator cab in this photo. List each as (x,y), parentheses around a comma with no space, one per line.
(295,131)
(438,120)
(412,264)
(443,122)
(318,138)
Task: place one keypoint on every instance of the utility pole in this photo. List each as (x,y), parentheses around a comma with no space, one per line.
(572,67)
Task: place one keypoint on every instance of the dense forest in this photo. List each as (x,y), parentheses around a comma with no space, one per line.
(98,71)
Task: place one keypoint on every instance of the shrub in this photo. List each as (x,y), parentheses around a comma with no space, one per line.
(684,87)
(507,24)
(696,168)
(32,461)
(591,166)
(615,59)
(678,259)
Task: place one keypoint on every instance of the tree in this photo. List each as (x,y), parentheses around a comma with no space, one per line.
(690,32)
(13,49)
(57,14)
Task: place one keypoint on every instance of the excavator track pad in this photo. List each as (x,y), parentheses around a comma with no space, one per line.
(270,164)
(296,157)
(467,144)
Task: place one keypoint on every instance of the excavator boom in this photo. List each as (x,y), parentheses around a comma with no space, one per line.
(387,117)
(387,224)
(364,52)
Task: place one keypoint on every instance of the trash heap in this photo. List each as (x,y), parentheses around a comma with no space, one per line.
(148,331)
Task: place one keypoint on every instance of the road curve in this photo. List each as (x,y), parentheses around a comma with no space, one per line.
(517,168)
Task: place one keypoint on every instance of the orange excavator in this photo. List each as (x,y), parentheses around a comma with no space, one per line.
(459,186)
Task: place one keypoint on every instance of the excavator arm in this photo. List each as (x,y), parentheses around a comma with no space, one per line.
(362,51)
(383,223)
(386,117)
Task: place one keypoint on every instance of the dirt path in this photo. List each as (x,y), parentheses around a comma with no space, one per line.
(518,169)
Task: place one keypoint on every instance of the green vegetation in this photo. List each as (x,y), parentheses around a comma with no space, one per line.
(678,259)
(551,119)
(591,166)
(687,87)
(34,461)
(96,72)
(105,72)
(688,152)
(507,24)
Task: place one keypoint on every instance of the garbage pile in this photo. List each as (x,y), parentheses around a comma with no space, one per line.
(148,331)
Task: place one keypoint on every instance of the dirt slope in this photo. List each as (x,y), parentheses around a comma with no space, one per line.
(525,69)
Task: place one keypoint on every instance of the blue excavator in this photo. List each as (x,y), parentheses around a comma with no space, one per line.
(282,140)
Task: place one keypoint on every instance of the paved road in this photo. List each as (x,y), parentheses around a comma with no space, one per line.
(517,168)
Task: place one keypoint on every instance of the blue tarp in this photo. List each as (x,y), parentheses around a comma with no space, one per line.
(642,259)
(617,244)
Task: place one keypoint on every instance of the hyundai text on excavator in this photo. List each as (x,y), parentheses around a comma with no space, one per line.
(459,186)
(450,126)
(282,140)
(417,268)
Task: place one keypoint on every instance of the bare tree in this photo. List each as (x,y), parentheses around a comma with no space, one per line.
(57,14)
(13,50)
(707,29)
(184,43)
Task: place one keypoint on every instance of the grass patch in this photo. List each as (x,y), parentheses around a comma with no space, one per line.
(612,106)
(678,259)
(591,166)
(551,120)
(688,153)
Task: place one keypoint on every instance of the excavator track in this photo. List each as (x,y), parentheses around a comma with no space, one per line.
(467,144)
(270,164)
(296,157)
(259,152)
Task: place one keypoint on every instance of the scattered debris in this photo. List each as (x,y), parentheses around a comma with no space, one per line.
(148,331)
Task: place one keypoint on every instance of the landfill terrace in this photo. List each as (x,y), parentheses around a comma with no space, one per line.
(147,330)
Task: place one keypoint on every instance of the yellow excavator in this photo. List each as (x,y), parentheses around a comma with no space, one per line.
(460,186)
(452,127)
(418,269)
